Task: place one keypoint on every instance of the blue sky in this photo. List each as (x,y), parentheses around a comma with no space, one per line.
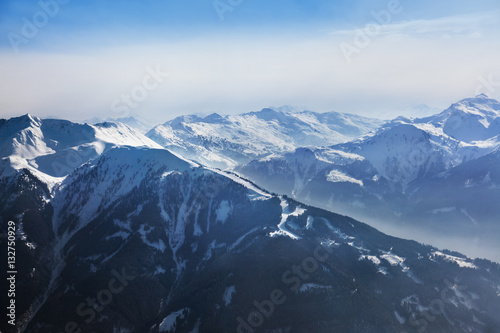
(86,55)
(171,19)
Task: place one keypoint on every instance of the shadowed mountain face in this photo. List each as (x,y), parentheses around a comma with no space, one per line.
(140,240)
(434,179)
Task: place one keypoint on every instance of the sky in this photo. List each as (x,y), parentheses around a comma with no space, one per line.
(164,58)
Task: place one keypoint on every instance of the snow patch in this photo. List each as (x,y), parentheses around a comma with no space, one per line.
(337,231)
(459,261)
(373,259)
(309,223)
(392,259)
(283,230)
(239,240)
(169,323)
(400,318)
(336,176)
(228,294)
(395,260)
(159,270)
(159,245)
(223,211)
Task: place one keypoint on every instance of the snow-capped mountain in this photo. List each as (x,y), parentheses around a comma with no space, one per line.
(142,240)
(383,176)
(226,141)
(470,120)
(406,149)
(132,237)
(52,148)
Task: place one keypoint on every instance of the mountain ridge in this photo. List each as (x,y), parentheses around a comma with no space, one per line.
(195,248)
(225,141)
(201,249)
(381,176)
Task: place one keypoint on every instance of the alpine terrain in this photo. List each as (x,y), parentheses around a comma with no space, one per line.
(435,178)
(135,238)
(227,141)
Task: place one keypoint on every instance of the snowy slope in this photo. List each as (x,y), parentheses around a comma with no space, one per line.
(177,237)
(52,148)
(114,174)
(291,172)
(407,149)
(225,141)
(340,181)
(405,173)
(196,248)
(470,120)
(403,152)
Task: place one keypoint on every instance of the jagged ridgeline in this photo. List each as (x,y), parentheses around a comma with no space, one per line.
(435,179)
(141,240)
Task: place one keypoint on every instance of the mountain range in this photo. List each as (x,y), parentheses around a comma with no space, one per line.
(115,233)
(228,141)
(431,176)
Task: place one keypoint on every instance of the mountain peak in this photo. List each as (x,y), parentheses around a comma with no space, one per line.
(482,96)
(27,118)
(481,99)
(471,119)
(180,120)
(288,109)
(269,114)
(213,118)
(30,116)
(480,104)
(14,124)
